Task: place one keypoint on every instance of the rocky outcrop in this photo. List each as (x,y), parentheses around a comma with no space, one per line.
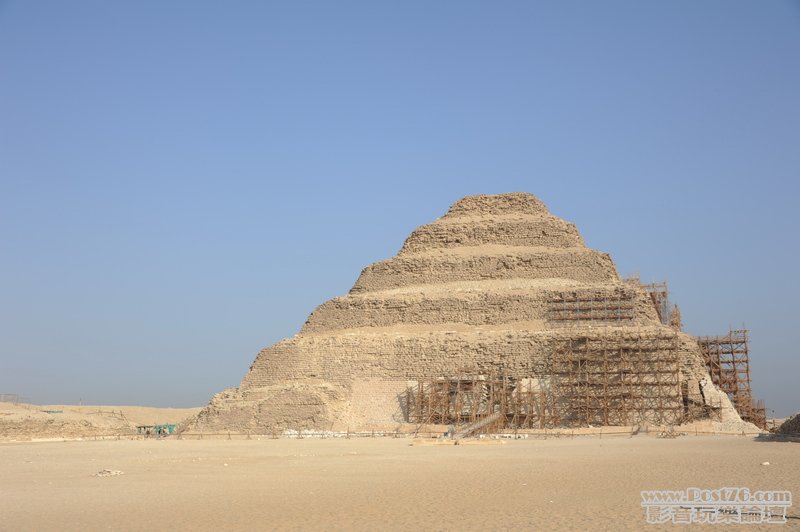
(791,425)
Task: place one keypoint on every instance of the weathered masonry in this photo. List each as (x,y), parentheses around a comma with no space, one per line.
(495,314)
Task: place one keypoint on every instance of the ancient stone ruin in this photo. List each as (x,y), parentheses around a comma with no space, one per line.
(495,315)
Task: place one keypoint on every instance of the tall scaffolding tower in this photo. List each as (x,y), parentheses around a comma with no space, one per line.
(728,361)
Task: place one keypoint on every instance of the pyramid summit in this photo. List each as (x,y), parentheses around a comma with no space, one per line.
(507,236)
(498,313)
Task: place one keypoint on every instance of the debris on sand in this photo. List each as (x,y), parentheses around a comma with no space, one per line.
(109,473)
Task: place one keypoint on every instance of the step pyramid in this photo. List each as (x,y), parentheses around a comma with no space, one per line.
(496,286)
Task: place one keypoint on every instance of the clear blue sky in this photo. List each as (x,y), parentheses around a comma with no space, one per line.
(181,183)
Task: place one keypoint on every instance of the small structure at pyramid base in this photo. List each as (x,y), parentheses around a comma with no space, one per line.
(495,315)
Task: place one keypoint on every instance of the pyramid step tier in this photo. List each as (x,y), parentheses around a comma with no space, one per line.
(504,230)
(535,308)
(579,264)
(341,359)
(502,204)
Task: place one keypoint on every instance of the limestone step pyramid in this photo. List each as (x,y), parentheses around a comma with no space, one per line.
(498,286)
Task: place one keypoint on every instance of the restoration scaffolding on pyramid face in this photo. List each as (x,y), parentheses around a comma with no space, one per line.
(495,316)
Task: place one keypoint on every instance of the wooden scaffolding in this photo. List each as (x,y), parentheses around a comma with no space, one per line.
(619,379)
(727,358)
(570,308)
(468,398)
(668,313)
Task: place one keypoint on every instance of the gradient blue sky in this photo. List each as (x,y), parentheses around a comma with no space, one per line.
(181,183)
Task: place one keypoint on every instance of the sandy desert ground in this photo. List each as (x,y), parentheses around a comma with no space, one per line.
(374,483)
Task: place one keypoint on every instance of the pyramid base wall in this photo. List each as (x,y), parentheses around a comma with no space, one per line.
(354,382)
